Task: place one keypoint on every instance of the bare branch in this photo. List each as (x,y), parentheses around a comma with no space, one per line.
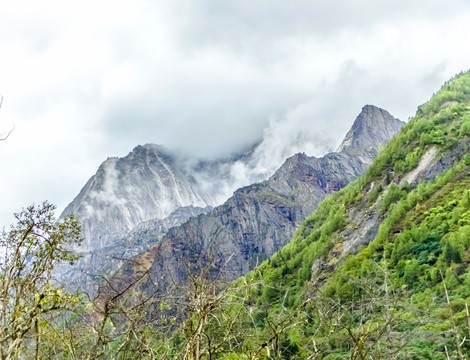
(4,136)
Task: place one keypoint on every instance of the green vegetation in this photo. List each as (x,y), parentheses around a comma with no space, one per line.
(387,300)
(29,302)
(378,271)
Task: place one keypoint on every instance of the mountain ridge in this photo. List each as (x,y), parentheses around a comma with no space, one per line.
(109,205)
(258,219)
(380,269)
(365,131)
(150,183)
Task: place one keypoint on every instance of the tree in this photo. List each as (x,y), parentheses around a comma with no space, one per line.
(31,250)
(210,312)
(121,321)
(374,322)
(218,319)
(199,316)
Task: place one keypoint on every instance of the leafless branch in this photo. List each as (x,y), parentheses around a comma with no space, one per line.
(4,136)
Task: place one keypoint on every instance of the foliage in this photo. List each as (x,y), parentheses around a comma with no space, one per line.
(31,250)
(403,295)
(393,288)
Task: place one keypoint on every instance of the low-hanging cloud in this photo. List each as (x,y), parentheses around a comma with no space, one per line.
(307,128)
(90,80)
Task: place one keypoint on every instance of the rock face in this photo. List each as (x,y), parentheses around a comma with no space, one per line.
(150,183)
(146,184)
(372,126)
(86,274)
(131,202)
(259,219)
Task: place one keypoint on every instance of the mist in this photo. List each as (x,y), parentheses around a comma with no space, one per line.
(87,81)
(306,128)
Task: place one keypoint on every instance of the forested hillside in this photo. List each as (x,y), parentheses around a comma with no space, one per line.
(378,271)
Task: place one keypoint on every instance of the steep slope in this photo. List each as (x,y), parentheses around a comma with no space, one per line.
(89,271)
(364,135)
(259,219)
(149,183)
(380,269)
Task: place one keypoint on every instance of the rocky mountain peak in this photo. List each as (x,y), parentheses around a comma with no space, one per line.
(261,218)
(127,203)
(371,127)
(146,184)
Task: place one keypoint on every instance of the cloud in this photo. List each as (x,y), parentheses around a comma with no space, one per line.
(302,129)
(109,185)
(86,80)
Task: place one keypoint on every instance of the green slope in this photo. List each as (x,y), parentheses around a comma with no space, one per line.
(364,276)
(378,271)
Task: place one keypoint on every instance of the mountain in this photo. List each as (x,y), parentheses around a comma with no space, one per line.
(149,183)
(261,218)
(88,272)
(373,126)
(380,269)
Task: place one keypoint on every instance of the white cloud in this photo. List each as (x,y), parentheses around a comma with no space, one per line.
(86,80)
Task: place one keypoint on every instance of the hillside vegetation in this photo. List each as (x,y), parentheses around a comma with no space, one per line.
(380,270)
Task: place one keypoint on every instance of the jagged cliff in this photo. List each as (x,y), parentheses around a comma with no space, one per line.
(149,183)
(132,201)
(373,126)
(89,271)
(128,198)
(259,219)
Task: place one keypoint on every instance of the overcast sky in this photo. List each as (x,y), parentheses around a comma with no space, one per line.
(84,80)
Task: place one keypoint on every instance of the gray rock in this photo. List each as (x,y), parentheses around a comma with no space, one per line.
(261,218)
(372,126)
(94,266)
(147,184)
